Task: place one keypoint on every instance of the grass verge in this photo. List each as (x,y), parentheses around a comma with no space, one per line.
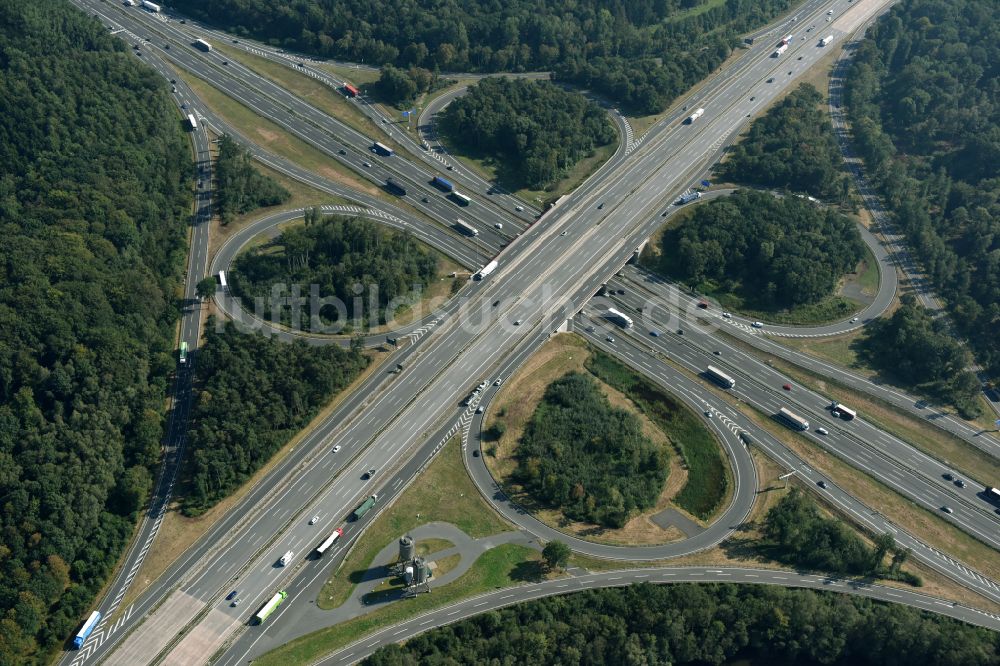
(951,450)
(497,568)
(277,140)
(318,94)
(444,492)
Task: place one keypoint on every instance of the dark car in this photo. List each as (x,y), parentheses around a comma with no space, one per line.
(787,387)
(947,476)
(703,305)
(232,595)
(475,453)
(821,484)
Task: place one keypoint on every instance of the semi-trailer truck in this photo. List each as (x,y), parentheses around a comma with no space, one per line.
(688,198)
(485,270)
(694,116)
(826,40)
(202,45)
(719,376)
(442,184)
(619,318)
(364,507)
(150,6)
(778,51)
(395,187)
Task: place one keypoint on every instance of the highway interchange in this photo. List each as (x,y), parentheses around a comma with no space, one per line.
(395,421)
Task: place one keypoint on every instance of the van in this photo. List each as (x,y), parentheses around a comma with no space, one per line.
(286,558)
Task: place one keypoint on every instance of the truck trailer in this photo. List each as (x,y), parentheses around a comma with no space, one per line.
(780,50)
(202,45)
(150,6)
(826,40)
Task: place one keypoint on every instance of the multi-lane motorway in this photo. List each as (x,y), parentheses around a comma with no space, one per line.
(546,274)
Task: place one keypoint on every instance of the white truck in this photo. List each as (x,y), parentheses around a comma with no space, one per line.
(780,50)
(150,6)
(485,270)
(286,558)
(695,116)
(826,40)
(619,318)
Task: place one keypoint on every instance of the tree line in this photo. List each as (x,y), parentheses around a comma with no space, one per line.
(914,347)
(588,458)
(699,624)
(792,147)
(253,393)
(339,255)
(776,252)
(641,54)
(534,129)
(95,196)
(924,103)
(795,533)
(241,186)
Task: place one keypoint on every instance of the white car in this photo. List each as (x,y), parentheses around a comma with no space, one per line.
(498,382)
(822,431)
(498,225)
(854,320)
(479,409)
(519,209)
(336,448)
(314,520)
(368,165)
(727,315)
(758,324)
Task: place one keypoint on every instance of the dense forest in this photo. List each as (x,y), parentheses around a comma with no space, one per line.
(400,87)
(641,53)
(253,394)
(792,147)
(242,188)
(95,196)
(776,252)
(924,100)
(699,625)
(534,129)
(795,533)
(338,255)
(916,348)
(588,458)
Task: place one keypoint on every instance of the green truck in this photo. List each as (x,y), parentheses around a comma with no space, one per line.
(364,507)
